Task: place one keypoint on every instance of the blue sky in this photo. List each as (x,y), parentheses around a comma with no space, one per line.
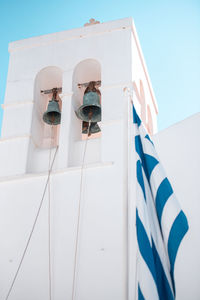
(169,33)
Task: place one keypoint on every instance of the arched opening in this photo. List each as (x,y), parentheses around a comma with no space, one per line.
(46,79)
(43,136)
(86,71)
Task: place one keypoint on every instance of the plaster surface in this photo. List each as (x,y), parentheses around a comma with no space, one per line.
(106,252)
(178,148)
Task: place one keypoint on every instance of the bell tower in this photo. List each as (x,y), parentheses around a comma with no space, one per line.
(89,215)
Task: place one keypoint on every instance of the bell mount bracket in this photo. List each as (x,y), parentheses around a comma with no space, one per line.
(53,91)
(86,84)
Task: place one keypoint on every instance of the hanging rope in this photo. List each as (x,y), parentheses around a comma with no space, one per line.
(32,229)
(79,217)
(49,215)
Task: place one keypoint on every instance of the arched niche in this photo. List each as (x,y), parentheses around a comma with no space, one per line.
(41,132)
(84,72)
(43,136)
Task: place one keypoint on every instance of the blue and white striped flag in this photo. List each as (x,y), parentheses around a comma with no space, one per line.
(160,222)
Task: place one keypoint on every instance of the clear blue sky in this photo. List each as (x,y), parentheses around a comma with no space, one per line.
(169,33)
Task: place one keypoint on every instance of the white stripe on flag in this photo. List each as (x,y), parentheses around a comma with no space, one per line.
(146,281)
(170,212)
(142,212)
(157,176)
(156,233)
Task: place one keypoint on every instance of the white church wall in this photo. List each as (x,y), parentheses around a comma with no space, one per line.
(178,148)
(17,119)
(102,249)
(103,253)
(103,235)
(19,91)
(13,156)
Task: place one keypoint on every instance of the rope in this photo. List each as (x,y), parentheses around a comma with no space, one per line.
(78,222)
(33,227)
(49,216)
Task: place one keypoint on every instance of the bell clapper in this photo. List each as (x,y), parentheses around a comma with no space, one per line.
(55,92)
(89,125)
(89,129)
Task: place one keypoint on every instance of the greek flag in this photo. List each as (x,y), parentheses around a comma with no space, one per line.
(160,222)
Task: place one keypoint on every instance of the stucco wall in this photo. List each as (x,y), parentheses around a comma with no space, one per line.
(179,148)
(104,251)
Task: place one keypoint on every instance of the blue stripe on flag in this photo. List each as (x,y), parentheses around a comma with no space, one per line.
(163,193)
(148,162)
(145,246)
(177,232)
(151,258)
(136,118)
(163,287)
(138,147)
(148,138)
(140,295)
(140,178)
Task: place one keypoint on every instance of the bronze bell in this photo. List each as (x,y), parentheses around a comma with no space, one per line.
(52,115)
(90,111)
(91,108)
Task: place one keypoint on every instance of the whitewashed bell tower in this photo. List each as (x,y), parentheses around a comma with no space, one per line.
(89,199)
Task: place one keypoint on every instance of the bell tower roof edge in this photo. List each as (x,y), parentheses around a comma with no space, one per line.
(98,28)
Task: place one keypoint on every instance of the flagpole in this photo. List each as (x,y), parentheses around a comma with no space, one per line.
(132,97)
(131,197)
